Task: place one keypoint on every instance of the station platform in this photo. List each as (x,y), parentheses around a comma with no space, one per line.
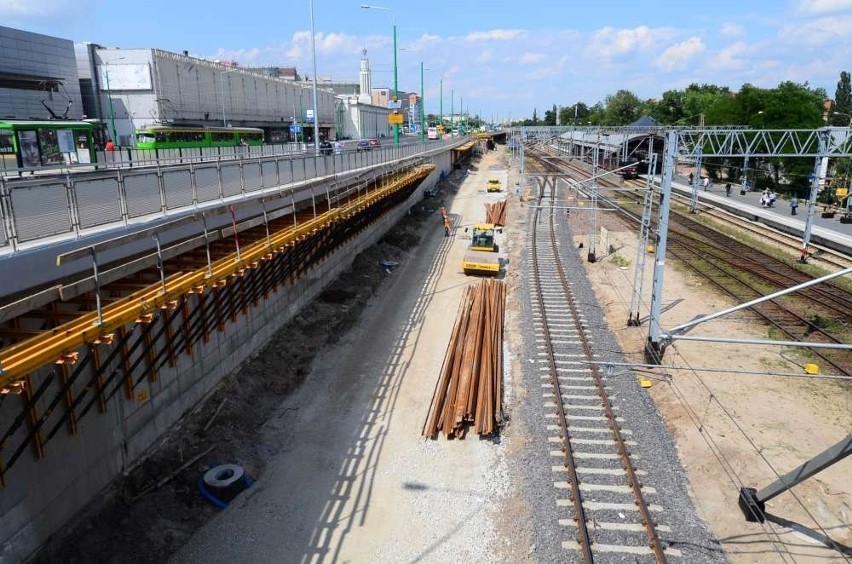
(827,232)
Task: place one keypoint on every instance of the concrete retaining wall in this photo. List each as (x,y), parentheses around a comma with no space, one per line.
(42,495)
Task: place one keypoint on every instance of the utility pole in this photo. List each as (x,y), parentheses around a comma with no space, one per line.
(422,109)
(441,106)
(452,110)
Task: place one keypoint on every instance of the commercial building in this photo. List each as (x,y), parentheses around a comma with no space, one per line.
(38,77)
(128,90)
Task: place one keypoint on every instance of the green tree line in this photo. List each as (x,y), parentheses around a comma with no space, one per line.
(787,106)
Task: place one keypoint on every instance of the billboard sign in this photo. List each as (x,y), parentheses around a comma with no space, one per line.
(125,77)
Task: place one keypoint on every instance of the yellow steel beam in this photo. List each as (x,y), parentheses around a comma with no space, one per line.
(27,356)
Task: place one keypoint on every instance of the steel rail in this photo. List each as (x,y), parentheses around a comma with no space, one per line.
(771,320)
(584,539)
(634,483)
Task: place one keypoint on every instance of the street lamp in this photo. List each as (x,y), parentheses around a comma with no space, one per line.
(114,137)
(314,83)
(395,73)
(422,108)
(222,95)
(441,108)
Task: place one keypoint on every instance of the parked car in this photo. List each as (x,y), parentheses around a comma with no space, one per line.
(363,145)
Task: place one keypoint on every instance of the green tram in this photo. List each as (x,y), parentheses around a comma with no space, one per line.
(31,144)
(168,137)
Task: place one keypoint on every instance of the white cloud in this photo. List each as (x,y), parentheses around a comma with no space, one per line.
(242,56)
(42,9)
(679,55)
(22,8)
(494,34)
(529,58)
(824,6)
(732,30)
(609,42)
(825,31)
(731,58)
(485,56)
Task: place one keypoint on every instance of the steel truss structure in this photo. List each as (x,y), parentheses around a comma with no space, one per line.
(699,143)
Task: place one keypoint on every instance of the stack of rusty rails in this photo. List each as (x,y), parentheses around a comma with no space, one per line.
(496,213)
(470,388)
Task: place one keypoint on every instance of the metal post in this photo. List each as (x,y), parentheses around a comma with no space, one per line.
(696,180)
(160,265)
(441,106)
(452,109)
(809,219)
(654,348)
(633,319)
(593,234)
(753,503)
(111,111)
(100,321)
(314,85)
(422,109)
(395,83)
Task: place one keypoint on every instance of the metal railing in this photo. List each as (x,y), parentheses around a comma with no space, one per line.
(41,207)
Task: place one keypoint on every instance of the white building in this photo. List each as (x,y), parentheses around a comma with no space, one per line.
(150,86)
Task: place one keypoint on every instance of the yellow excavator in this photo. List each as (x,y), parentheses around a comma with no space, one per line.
(481,256)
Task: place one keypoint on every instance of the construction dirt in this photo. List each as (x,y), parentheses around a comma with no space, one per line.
(310,418)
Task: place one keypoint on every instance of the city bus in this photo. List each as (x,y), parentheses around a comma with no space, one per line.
(32,143)
(431,133)
(177,137)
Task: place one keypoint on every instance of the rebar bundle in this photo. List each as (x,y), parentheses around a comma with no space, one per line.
(470,388)
(496,213)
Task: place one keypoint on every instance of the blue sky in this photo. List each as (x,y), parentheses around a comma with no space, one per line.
(503,58)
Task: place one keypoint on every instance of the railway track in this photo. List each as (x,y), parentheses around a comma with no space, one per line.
(826,257)
(612,515)
(732,281)
(745,273)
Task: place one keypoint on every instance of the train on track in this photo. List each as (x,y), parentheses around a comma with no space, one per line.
(181,137)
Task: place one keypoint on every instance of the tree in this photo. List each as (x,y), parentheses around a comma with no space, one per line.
(622,108)
(550,116)
(576,114)
(842,101)
(668,109)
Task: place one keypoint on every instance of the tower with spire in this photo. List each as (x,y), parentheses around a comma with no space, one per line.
(365,97)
